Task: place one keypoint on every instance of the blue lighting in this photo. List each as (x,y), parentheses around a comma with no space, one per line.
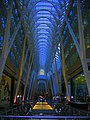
(45,15)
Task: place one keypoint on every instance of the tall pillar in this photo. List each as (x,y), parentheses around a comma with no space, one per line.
(30,83)
(33,85)
(27,77)
(8,45)
(57,78)
(52,81)
(60,84)
(82,47)
(21,69)
(64,69)
(51,84)
(6,42)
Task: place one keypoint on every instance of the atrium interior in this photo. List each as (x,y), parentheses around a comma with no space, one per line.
(45,59)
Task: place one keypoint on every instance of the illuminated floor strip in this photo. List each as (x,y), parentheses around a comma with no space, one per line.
(42,106)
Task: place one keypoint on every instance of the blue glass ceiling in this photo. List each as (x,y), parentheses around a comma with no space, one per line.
(46,19)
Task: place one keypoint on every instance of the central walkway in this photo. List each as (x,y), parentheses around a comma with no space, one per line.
(42,106)
(42,109)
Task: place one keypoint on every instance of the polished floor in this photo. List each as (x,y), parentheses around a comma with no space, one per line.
(42,106)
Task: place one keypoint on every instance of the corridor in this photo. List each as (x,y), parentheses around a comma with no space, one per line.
(45,59)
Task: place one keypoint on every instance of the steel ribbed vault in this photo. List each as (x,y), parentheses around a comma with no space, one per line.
(46,19)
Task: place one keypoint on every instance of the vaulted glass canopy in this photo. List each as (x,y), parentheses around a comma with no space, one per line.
(43,21)
(46,20)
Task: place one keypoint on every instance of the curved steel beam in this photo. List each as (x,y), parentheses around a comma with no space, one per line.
(38,18)
(57,10)
(49,27)
(47,35)
(41,40)
(47,31)
(35,25)
(35,13)
(43,44)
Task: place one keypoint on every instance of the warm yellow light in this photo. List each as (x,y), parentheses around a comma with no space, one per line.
(42,106)
(41,72)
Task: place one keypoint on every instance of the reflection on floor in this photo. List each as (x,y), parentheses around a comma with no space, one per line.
(42,106)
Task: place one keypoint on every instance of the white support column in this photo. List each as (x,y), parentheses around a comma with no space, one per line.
(21,70)
(64,69)
(29,88)
(60,85)
(26,54)
(57,79)
(82,47)
(33,85)
(53,78)
(31,79)
(27,77)
(6,38)
(14,36)
(51,85)
(6,53)
(6,42)
(74,38)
